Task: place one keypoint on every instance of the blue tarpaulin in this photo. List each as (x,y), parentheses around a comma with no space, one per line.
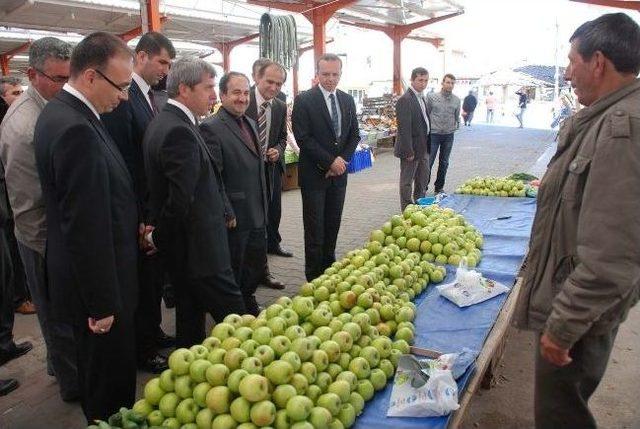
(440,324)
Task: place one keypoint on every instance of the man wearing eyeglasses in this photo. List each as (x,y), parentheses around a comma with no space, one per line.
(48,71)
(93,226)
(10,90)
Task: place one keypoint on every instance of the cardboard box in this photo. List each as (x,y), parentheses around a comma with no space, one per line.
(290,180)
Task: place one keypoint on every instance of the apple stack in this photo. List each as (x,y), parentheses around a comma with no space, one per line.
(493,187)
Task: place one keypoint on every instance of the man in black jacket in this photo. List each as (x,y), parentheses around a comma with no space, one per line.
(127,124)
(92,222)
(186,204)
(236,146)
(326,129)
(468,107)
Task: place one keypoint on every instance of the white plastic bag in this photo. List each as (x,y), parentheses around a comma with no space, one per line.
(470,288)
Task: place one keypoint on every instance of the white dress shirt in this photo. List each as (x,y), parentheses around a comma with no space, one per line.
(423,107)
(326,94)
(184,108)
(71,90)
(144,87)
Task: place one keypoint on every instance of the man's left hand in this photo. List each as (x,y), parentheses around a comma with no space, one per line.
(553,353)
(272,154)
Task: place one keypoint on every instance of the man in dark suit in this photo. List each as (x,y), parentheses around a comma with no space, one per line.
(326,129)
(412,142)
(92,222)
(187,204)
(235,144)
(127,124)
(270,114)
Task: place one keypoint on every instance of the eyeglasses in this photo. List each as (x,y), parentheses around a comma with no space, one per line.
(124,89)
(17,92)
(55,79)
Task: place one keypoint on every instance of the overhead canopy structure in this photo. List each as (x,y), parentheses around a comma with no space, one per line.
(622,4)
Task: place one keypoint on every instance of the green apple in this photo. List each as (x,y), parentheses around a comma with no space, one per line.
(383,345)
(290,317)
(184,386)
(365,389)
(204,418)
(224,421)
(374,315)
(234,320)
(249,346)
(344,340)
(320,317)
(265,354)
(348,299)
(282,420)
(282,394)
(347,415)
(274,310)
(217,374)
(300,382)
(280,345)
(405,334)
(171,423)
(324,333)
(394,356)
(142,407)
(200,393)
(342,388)
(320,417)
(240,409)
(180,361)
(294,332)
(231,343)
(308,327)
(235,378)
(277,325)
(155,418)
(353,329)
(254,388)
(334,305)
(344,361)
(350,377)
(258,322)
(405,314)
(371,354)
(153,392)
(168,404)
(401,345)
(198,369)
(334,369)
(199,351)
(263,413)
(211,343)
(262,335)
(378,378)
(321,294)
(302,347)
(187,410)
(320,359)
(299,407)
(279,372)
(323,380)
(387,367)
(331,402)
(309,370)
(332,349)
(252,365)
(336,325)
(243,333)
(363,320)
(314,341)
(357,402)
(222,331)
(355,351)
(167,380)
(313,392)
(293,358)
(303,306)
(284,301)
(219,399)
(234,357)
(216,356)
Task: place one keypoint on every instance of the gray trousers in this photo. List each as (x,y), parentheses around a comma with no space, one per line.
(562,393)
(414,178)
(58,336)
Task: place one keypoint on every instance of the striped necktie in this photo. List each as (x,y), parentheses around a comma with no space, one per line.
(262,127)
(334,115)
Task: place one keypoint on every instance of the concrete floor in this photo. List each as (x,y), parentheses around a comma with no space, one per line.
(372,197)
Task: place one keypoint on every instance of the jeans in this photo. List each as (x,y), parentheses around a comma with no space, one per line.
(520,116)
(442,143)
(489,116)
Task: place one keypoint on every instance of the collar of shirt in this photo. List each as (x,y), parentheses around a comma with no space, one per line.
(144,86)
(80,96)
(326,93)
(38,95)
(260,99)
(184,108)
(418,94)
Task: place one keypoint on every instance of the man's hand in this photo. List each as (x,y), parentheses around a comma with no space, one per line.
(338,166)
(410,158)
(231,223)
(147,245)
(553,353)
(101,326)
(272,154)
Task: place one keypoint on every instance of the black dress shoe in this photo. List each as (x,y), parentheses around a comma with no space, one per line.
(165,341)
(272,283)
(7,386)
(16,351)
(279,251)
(155,364)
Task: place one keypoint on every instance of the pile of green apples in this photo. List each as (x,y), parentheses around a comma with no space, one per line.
(314,360)
(493,187)
(438,234)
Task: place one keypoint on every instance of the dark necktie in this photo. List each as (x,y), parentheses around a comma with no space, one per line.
(262,127)
(334,115)
(154,109)
(248,135)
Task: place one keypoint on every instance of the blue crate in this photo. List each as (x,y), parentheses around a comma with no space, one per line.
(360,160)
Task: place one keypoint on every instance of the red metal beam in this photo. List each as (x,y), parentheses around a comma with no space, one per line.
(622,4)
(435,41)
(430,21)
(135,32)
(4,65)
(154,20)
(17,50)
(226,47)
(281,5)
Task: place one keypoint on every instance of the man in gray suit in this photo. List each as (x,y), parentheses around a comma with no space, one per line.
(412,142)
(48,72)
(235,144)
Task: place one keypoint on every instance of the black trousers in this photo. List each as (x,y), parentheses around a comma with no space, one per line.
(106,368)
(562,393)
(148,314)
(6,294)
(20,290)
(248,252)
(321,216)
(275,210)
(219,296)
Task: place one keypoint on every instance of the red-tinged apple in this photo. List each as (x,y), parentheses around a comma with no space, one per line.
(342,388)
(280,345)
(219,399)
(265,354)
(348,299)
(282,394)
(331,402)
(300,382)
(309,370)
(222,331)
(347,415)
(168,404)
(378,378)
(224,421)
(240,409)
(216,356)
(263,413)
(200,393)
(153,392)
(217,374)
(293,358)
(180,360)
(365,389)
(167,380)
(299,408)
(279,372)
(254,388)
(187,410)
(233,383)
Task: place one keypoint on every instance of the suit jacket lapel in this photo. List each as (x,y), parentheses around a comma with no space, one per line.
(416,105)
(344,114)
(252,110)
(136,92)
(235,128)
(320,101)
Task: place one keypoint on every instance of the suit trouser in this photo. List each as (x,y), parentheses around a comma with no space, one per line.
(562,393)
(321,216)
(20,290)
(6,295)
(148,313)
(248,251)
(468,118)
(216,295)
(414,177)
(275,210)
(58,335)
(441,145)
(106,367)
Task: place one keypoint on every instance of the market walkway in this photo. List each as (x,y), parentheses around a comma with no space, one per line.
(372,198)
